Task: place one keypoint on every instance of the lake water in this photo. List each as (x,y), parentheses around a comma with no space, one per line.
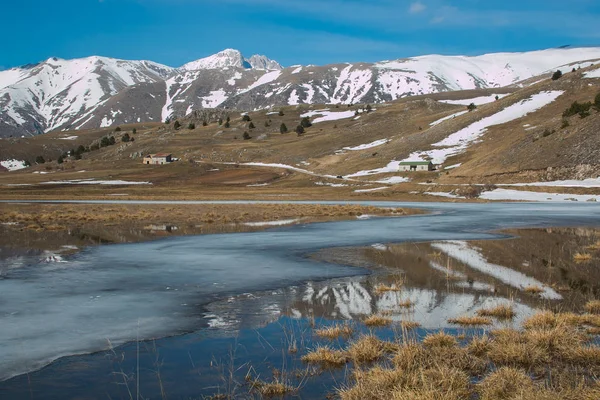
(206,295)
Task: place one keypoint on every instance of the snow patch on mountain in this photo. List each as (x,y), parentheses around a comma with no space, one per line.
(232,58)
(13,165)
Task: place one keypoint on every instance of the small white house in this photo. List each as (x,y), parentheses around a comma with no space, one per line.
(158,159)
(416,166)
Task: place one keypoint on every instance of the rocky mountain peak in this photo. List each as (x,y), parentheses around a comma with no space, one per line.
(232,58)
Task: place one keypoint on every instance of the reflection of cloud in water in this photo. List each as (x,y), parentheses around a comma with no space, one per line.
(470,256)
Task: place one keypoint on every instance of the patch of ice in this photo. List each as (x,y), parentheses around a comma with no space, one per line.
(521,195)
(272,223)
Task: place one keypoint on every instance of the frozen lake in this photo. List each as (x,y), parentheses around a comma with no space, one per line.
(112,294)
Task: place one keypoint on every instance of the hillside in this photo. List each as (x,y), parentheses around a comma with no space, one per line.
(100,92)
(520,140)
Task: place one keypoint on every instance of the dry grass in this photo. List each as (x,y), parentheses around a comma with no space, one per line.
(333,332)
(533,289)
(501,312)
(470,321)
(593,307)
(271,389)
(326,356)
(408,325)
(384,288)
(582,257)
(377,321)
(368,348)
(440,339)
(505,383)
(407,303)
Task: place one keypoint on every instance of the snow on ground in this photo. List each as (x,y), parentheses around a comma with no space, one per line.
(519,195)
(235,77)
(215,98)
(294,99)
(326,115)
(453,166)
(263,80)
(297,70)
(13,165)
(586,183)
(330,184)
(477,100)
(68,138)
(444,194)
(439,121)
(368,145)
(393,166)
(272,223)
(471,256)
(94,182)
(393,180)
(459,141)
(592,74)
(370,190)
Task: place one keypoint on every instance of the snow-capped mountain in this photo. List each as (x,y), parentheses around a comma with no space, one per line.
(96,91)
(232,58)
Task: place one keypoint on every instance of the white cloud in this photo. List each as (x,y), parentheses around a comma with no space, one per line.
(417,7)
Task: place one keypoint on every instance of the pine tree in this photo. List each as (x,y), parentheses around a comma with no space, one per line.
(557,75)
(300,130)
(204,123)
(369,108)
(111,141)
(497,97)
(134,131)
(227,124)
(191,126)
(228,119)
(281,114)
(305,122)
(118,129)
(597,101)
(246,118)
(103,143)
(125,138)
(247,136)
(177,125)
(221,121)
(40,160)
(251,126)
(60,160)
(471,107)
(283,128)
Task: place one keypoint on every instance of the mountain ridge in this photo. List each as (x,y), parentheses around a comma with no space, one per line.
(101,91)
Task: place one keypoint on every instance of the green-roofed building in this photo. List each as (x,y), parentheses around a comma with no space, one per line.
(417,165)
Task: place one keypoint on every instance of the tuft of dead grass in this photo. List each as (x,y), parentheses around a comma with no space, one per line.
(369,348)
(505,383)
(333,332)
(582,257)
(440,339)
(533,289)
(593,307)
(409,325)
(326,356)
(470,321)
(501,312)
(271,389)
(377,321)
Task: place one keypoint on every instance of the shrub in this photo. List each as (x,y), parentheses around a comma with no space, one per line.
(104,142)
(577,108)
(497,97)
(80,149)
(111,141)
(305,122)
(221,121)
(471,107)
(204,123)
(300,130)
(228,119)
(60,160)
(176,125)
(557,75)
(283,128)
(246,118)
(251,126)
(77,156)
(247,136)
(369,108)
(565,124)
(27,163)
(125,138)
(281,114)
(227,124)
(94,147)
(191,126)
(134,131)
(118,129)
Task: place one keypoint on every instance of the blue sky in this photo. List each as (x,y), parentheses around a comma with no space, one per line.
(174,32)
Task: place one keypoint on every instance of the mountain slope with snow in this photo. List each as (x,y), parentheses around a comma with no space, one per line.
(96,91)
